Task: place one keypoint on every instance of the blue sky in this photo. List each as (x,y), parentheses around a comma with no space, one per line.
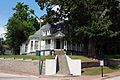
(6,10)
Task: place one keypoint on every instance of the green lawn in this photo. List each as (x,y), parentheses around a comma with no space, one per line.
(33,57)
(83,58)
(97,70)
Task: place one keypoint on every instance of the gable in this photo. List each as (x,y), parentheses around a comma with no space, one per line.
(59,34)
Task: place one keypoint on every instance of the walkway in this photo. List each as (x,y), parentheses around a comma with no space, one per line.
(111,76)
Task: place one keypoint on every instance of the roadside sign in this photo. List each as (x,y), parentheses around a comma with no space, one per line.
(101,62)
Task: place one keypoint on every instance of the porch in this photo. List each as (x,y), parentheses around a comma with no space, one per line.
(56,44)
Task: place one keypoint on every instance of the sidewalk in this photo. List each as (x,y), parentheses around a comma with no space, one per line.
(97,77)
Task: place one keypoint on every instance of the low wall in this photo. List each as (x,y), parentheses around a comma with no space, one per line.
(50,66)
(74,66)
(20,65)
(114,62)
(90,64)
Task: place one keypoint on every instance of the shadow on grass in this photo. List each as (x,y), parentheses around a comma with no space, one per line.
(115,67)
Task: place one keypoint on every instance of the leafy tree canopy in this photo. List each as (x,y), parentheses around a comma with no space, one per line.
(20,26)
(91,19)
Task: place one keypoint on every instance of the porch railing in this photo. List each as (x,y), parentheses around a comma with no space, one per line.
(47,46)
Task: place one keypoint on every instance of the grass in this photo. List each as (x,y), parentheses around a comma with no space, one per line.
(97,70)
(83,58)
(33,57)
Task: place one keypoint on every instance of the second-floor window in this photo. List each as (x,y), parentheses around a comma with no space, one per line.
(48,32)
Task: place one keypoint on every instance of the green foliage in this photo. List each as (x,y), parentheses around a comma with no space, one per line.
(82,14)
(20,26)
(1,46)
(87,19)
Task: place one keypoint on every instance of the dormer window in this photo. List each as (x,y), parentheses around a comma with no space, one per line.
(48,32)
(44,33)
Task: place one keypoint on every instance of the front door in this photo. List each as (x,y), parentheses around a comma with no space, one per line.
(57,43)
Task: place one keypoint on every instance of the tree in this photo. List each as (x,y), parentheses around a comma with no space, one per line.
(1,46)
(87,19)
(20,26)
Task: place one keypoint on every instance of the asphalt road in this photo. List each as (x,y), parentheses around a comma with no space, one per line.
(114,78)
(5,76)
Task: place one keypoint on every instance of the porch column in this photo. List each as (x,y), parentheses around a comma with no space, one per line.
(60,44)
(65,45)
(53,43)
(38,45)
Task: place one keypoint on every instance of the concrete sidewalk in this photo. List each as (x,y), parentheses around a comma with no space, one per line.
(44,77)
(97,77)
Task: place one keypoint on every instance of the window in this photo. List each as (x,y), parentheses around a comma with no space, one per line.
(47,41)
(31,45)
(26,47)
(36,45)
(44,33)
(48,32)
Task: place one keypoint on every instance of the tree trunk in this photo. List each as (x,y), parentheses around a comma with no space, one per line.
(92,48)
(16,51)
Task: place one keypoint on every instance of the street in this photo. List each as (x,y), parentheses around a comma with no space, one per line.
(5,76)
(114,78)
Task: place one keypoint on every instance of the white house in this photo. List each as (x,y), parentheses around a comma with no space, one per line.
(49,37)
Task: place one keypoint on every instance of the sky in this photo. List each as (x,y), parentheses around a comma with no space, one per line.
(6,10)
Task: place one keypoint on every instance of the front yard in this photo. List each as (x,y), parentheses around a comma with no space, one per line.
(33,57)
(85,71)
(97,70)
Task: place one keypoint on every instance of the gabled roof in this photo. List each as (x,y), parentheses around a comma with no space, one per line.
(37,34)
(55,29)
(59,34)
(46,27)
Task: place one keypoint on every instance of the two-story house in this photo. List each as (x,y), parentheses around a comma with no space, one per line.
(48,37)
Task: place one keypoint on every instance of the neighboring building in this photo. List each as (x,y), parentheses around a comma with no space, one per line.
(7,50)
(49,37)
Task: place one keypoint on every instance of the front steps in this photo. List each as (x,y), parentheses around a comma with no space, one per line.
(62,65)
(59,65)
(59,52)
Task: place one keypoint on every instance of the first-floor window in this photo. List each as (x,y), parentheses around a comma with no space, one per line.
(26,47)
(31,45)
(48,42)
(36,45)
